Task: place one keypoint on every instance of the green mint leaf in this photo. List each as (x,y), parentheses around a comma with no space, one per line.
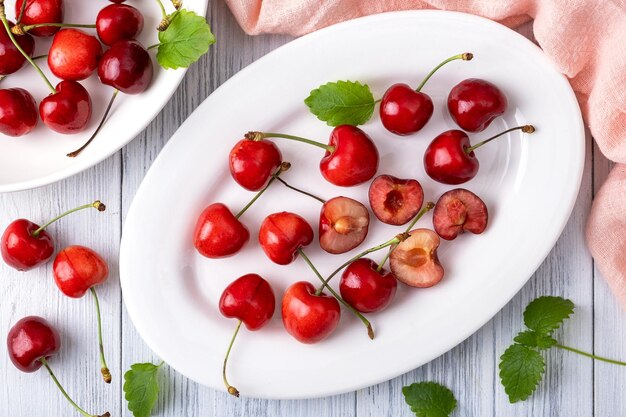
(342,103)
(141,388)
(521,369)
(187,38)
(429,399)
(533,339)
(546,314)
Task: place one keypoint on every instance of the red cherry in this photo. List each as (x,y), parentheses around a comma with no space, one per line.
(252,163)
(31,339)
(353,160)
(117,22)
(343,225)
(403,110)
(218,232)
(127,67)
(250,299)
(11,59)
(74,54)
(18,112)
(68,110)
(77,268)
(41,11)
(457,211)
(309,318)
(365,288)
(282,235)
(22,249)
(474,103)
(395,201)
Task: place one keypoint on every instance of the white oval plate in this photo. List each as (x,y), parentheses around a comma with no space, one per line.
(529,183)
(39,158)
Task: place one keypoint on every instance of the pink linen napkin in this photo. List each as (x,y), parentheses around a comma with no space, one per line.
(585,38)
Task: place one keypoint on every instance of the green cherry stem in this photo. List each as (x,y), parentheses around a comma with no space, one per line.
(163,12)
(291,187)
(525,129)
(65,394)
(283,167)
(5,22)
(231,390)
(467,56)
(370,331)
(104,369)
(21,15)
(589,355)
(20,30)
(75,153)
(96,204)
(257,136)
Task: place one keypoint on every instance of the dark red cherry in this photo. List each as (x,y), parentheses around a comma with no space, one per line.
(18,112)
(219,233)
(403,110)
(250,299)
(365,288)
(282,235)
(68,110)
(252,163)
(41,11)
(11,58)
(74,54)
(118,22)
(31,339)
(474,103)
(127,67)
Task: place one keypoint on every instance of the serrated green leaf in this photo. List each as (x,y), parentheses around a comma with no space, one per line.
(546,314)
(429,399)
(342,103)
(187,38)
(141,388)
(531,338)
(521,370)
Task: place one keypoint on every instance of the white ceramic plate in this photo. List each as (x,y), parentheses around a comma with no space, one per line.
(529,183)
(39,158)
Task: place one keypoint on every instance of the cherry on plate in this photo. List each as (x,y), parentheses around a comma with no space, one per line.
(282,235)
(252,163)
(118,22)
(218,233)
(343,225)
(414,261)
(38,12)
(127,67)
(67,111)
(74,54)
(18,112)
(474,103)
(367,288)
(395,201)
(458,211)
(11,59)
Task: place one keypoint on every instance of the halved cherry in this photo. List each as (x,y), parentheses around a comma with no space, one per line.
(414,261)
(343,225)
(457,211)
(395,201)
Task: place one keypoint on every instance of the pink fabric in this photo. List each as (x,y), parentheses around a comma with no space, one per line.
(585,38)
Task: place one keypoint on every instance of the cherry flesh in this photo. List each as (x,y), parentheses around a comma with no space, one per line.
(308,317)
(474,103)
(252,163)
(127,67)
(395,201)
(218,233)
(366,288)
(11,59)
(18,112)
(343,225)
(458,211)
(282,234)
(31,339)
(74,54)
(414,261)
(118,22)
(77,268)
(40,11)
(354,159)
(67,111)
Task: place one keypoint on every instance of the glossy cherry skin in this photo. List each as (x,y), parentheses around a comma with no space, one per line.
(252,163)
(250,299)
(282,234)
(309,318)
(354,159)
(117,22)
(219,233)
(11,58)
(127,67)
(67,111)
(474,103)
(446,160)
(77,268)
(41,11)
(403,110)
(366,289)
(31,339)
(18,112)
(23,251)
(74,54)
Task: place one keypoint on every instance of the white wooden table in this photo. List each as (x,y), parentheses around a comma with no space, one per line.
(573,386)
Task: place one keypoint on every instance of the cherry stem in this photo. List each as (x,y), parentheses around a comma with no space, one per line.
(156,45)
(467,56)
(370,331)
(20,30)
(177,4)
(22,10)
(65,394)
(257,136)
(163,12)
(75,153)
(291,187)
(284,166)
(231,390)
(5,22)
(589,355)
(429,206)
(525,129)
(104,369)
(96,204)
